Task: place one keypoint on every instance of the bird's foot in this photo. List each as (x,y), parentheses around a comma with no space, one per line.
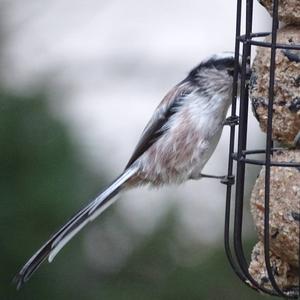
(231,121)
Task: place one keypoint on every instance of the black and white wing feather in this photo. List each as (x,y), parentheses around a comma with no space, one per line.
(155,127)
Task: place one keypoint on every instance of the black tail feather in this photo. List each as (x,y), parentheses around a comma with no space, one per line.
(75,224)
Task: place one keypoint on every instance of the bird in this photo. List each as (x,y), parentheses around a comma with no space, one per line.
(175,145)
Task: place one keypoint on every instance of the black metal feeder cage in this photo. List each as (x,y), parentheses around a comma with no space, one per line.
(240,156)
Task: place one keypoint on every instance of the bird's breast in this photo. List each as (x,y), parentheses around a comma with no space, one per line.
(188,141)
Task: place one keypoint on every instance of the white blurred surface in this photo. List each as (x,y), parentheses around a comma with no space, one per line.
(110,63)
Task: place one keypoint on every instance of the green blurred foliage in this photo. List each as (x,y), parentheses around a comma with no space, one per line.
(153,272)
(43,180)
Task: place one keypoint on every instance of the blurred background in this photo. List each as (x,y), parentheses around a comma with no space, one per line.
(78,82)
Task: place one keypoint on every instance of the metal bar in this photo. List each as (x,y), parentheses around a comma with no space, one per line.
(242,141)
(260,162)
(231,147)
(269,152)
(273,164)
(249,40)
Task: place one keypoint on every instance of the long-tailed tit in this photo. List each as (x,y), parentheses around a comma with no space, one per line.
(174,147)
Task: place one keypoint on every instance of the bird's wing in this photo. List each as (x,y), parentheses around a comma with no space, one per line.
(155,127)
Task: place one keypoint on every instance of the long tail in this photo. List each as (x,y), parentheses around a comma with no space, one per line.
(72,227)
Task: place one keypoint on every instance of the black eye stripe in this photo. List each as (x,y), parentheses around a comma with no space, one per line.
(230,72)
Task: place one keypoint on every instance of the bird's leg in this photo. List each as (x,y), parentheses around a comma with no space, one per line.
(201,175)
(228,180)
(211,176)
(231,121)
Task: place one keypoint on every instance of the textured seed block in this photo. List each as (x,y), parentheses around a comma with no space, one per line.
(285,276)
(286,108)
(284,207)
(288,10)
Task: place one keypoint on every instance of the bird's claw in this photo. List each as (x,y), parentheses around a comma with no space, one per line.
(231,121)
(228,180)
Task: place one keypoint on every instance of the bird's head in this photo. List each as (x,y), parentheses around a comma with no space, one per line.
(216,72)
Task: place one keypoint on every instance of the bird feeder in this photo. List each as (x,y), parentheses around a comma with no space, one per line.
(274,94)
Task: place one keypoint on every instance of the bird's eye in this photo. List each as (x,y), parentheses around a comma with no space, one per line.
(230,72)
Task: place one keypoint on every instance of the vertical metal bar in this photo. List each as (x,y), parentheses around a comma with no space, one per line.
(269,150)
(242,141)
(231,145)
